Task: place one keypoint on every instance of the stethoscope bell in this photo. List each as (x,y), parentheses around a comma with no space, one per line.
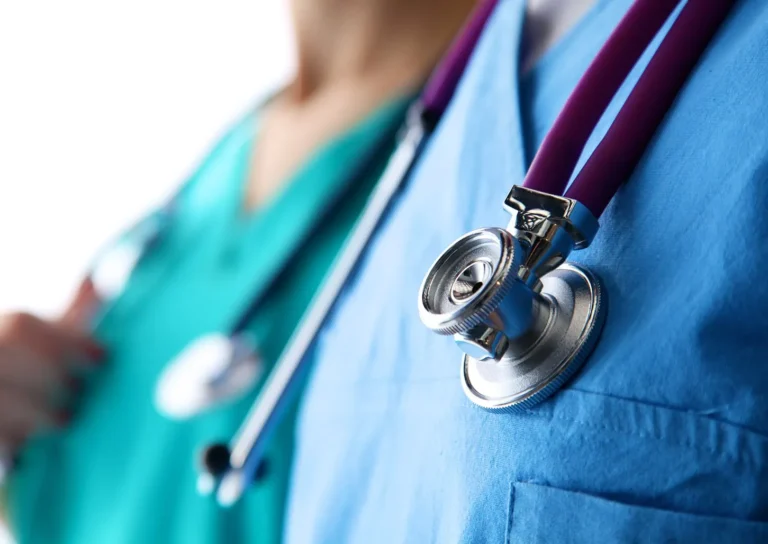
(525,321)
(211,370)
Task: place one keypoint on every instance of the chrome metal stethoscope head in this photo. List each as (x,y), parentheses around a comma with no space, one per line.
(213,369)
(524,320)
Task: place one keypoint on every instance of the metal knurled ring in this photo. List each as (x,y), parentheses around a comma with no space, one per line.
(476,317)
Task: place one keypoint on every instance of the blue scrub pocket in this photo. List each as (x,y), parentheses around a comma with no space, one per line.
(542,514)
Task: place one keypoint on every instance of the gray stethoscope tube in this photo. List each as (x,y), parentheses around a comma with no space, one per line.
(230,472)
(236,470)
(221,366)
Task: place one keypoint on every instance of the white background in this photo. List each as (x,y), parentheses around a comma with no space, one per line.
(104,108)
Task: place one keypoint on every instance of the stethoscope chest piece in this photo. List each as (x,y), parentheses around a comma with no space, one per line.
(525,320)
(563,333)
(211,370)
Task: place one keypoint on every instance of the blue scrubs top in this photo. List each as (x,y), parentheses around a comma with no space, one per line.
(663,436)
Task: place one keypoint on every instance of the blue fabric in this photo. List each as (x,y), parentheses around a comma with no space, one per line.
(663,436)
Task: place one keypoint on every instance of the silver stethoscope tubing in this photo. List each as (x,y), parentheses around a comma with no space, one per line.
(277,393)
(228,471)
(524,317)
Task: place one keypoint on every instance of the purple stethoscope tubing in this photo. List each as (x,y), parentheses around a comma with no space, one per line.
(614,159)
(442,83)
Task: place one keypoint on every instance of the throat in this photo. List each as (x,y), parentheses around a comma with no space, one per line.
(347,67)
(291,133)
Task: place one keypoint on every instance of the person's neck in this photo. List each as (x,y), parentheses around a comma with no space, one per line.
(389,43)
(353,56)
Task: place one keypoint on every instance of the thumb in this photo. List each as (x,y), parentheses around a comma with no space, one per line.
(82,307)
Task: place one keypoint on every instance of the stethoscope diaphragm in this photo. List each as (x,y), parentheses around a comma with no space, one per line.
(564,330)
(213,369)
(525,320)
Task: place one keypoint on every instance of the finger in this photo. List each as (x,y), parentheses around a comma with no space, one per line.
(83,306)
(21,415)
(50,341)
(22,369)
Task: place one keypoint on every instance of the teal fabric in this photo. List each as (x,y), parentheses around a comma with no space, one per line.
(663,435)
(122,473)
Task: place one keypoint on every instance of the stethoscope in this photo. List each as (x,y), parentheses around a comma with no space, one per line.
(524,317)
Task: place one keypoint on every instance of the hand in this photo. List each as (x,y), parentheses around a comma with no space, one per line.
(39,360)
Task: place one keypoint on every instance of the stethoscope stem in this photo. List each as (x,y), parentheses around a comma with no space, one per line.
(248,445)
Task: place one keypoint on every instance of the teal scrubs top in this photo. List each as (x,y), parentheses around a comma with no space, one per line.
(663,435)
(122,473)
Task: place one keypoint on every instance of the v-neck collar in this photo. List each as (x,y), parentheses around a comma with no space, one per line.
(510,87)
(546,62)
(263,241)
(492,78)
(517,35)
(493,138)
